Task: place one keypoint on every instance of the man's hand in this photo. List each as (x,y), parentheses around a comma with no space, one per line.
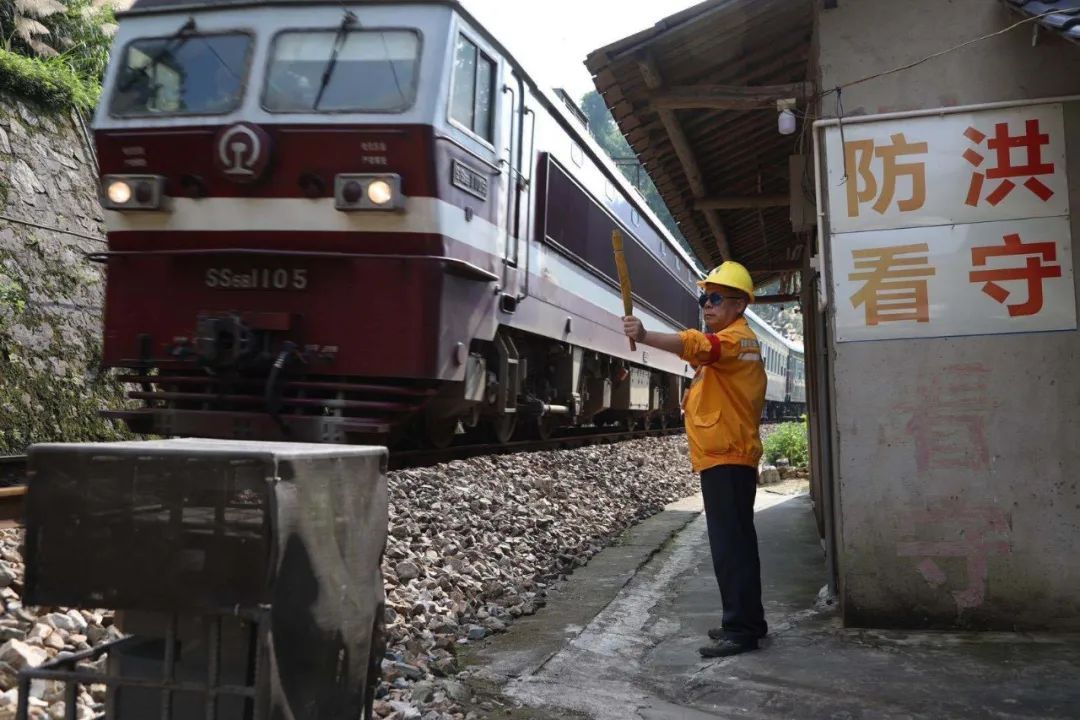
(633,328)
(665,341)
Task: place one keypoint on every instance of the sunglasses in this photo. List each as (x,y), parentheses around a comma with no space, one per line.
(715,298)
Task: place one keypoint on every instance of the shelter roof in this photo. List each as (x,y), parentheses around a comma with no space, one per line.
(696,97)
(1060,16)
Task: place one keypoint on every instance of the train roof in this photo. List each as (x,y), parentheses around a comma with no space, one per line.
(552,102)
(773,332)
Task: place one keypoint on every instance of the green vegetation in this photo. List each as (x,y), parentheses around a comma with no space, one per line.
(788,440)
(54,52)
(46,82)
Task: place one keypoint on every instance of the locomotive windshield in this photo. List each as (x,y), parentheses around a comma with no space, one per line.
(189,74)
(370,71)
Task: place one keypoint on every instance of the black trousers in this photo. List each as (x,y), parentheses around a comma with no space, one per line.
(728,491)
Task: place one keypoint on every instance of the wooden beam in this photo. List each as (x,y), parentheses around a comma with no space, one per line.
(777,267)
(775,299)
(740,203)
(650,73)
(728,97)
(718,234)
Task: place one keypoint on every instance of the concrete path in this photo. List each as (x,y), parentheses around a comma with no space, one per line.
(619,642)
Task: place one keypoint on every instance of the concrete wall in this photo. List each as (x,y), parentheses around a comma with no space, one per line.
(1008,503)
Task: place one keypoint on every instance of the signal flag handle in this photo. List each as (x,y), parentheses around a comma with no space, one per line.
(624,279)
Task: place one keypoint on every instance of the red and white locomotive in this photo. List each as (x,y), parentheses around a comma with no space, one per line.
(338,222)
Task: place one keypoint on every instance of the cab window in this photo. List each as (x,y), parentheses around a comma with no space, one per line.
(355,71)
(473,93)
(187,74)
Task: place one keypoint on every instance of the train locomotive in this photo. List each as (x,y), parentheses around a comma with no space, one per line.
(364,222)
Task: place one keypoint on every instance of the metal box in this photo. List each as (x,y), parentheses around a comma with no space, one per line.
(248,574)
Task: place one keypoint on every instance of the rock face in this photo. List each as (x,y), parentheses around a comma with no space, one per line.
(473,545)
(50,295)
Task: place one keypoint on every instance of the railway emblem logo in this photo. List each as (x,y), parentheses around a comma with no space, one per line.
(242,152)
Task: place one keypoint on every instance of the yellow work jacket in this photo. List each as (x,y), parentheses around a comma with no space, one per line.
(723,405)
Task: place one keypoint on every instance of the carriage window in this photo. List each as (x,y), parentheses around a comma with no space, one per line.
(361,71)
(474,91)
(182,75)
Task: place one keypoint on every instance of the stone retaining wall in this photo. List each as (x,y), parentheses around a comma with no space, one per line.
(50,296)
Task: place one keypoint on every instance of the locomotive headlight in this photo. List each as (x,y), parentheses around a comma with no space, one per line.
(362,191)
(380,192)
(133,192)
(119,192)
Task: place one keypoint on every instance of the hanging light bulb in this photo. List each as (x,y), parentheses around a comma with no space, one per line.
(786,122)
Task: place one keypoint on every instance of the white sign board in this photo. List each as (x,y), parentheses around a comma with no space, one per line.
(941,170)
(951,225)
(973,279)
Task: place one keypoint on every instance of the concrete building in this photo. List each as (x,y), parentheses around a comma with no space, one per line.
(936,276)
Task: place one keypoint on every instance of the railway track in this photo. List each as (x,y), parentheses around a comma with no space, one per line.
(12,490)
(403,459)
(13,467)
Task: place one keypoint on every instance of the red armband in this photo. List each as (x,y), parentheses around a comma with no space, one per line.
(714,354)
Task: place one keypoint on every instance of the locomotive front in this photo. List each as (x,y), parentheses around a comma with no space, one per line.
(281,259)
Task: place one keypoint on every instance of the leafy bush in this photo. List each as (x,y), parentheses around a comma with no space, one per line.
(55,51)
(788,440)
(49,82)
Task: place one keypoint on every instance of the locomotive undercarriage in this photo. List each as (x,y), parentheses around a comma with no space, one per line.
(518,386)
(528,387)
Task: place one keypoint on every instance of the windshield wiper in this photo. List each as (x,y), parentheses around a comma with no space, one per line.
(343,30)
(172,43)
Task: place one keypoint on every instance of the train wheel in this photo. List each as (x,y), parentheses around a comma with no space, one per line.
(502,428)
(545,426)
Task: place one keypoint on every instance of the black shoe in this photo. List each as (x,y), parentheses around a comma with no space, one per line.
(717,633)
(727,647)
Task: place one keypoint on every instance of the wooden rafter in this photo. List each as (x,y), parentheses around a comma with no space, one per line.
(728,97)
(776,267)
(650,73)
(740,203)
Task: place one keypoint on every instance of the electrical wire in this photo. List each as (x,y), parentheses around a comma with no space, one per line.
(39,226)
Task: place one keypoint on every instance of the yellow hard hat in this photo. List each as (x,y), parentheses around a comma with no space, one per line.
(730,274)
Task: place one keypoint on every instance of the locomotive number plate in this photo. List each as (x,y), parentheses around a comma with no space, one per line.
(257,278)
(469,180)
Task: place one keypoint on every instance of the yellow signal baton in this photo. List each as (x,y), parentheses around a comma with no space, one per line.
(624,279)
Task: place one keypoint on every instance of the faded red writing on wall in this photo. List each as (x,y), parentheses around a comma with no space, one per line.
(951,530)
(948,419)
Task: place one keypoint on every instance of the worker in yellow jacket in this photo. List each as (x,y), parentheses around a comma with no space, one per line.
(723,412)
